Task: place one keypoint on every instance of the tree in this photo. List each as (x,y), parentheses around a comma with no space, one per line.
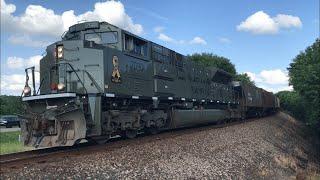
(291,102)
(304,73)
(244,78)
(10,105)
(212,60)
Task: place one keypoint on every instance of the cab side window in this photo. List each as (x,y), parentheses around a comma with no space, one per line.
(109,37)
(135,46)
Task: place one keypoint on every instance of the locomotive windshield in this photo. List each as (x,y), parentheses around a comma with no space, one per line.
(72,36)
(102,37)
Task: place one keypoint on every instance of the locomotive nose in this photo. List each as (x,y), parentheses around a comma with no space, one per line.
(62,123)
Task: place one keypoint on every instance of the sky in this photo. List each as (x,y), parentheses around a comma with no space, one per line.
(259,37)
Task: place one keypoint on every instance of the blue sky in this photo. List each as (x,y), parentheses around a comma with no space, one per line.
(259,37)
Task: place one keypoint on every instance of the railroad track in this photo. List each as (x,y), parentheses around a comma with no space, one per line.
(113,143)
(37,153)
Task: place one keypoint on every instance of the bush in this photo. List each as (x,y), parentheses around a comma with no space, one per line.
(10,105)
(212,60)
(209,59)
(291,102)
(304,73)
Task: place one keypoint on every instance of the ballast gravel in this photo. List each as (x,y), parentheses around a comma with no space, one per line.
(267,148)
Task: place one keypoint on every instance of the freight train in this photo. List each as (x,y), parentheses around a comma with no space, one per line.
(100,81)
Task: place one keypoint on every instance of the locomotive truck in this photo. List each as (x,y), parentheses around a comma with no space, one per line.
(100,81)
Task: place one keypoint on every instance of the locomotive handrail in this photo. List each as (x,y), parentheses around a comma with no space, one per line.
(90,77)
(41,82)
(27,80)
(75,73)
(94,82)
(63,34)
(40,85)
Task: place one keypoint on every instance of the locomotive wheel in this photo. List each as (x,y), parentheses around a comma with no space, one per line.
(130,133)
(153,130)
(219,122)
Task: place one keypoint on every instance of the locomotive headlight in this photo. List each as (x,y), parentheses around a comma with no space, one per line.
(60,51)
(26,90)
(61,86)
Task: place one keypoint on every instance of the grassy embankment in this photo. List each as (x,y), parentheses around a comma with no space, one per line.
(9,142)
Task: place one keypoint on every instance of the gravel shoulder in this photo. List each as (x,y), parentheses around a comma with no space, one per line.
(268,148)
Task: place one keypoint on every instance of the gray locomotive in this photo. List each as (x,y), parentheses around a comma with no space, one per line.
(100,81)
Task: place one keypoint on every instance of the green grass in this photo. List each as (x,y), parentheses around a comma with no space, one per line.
(9,142)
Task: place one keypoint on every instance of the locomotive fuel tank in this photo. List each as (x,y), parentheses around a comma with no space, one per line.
(188,118)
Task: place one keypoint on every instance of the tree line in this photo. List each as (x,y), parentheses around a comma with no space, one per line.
(212,60)
(10,105)
(304,75)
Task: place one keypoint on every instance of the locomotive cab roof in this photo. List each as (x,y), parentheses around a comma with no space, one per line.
(84,26)
(74,32)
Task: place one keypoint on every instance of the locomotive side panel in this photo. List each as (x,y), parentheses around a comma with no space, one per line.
(182,85)
(252,96)
(126,74)
(45,67)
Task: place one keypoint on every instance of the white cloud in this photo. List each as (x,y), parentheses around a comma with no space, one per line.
(26,40)
(7,8)
(150,13)
(40,20)
(261,23)
(198,40)
(165,38)
(274,76)
(110,11)
(224,40)
(20,63)
(13,84)
(274,88)
(6,17)
(287,21)
(15,62)
(252,76)
(35,20)
(272,80)
(195,40)
(158,29)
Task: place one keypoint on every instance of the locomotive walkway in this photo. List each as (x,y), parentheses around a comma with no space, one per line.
(270,147)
